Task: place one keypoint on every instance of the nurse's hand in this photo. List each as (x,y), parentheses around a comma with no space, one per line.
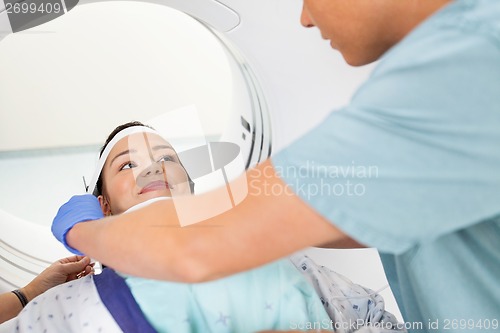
(79,208)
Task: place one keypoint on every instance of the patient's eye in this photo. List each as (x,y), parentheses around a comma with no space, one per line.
(128,165)
(166,158)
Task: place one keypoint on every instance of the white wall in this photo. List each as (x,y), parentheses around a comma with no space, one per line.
(35,184)
(70,81)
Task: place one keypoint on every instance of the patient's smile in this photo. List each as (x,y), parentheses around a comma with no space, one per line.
(158,185)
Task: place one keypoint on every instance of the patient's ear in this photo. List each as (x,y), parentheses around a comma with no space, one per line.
(106,209)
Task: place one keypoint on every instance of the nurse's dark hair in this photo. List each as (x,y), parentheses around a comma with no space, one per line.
(117,130)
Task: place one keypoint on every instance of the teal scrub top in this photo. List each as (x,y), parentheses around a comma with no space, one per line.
(412,167)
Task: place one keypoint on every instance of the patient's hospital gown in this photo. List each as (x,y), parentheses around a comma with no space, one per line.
(269,297)
(275,296)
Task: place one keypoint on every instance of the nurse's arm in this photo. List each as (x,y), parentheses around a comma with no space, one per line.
(266,226)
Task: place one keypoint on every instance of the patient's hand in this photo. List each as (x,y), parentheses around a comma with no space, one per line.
(61,271)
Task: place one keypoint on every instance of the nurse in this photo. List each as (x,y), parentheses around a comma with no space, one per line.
(411,166)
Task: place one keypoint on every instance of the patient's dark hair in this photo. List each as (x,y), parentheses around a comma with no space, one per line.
(119,129)
(108,140)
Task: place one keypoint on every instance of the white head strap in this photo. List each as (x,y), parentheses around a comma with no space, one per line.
(120,135)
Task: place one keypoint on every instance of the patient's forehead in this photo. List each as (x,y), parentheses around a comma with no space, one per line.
(140,143)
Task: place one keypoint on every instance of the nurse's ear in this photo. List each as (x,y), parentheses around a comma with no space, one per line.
(106,209)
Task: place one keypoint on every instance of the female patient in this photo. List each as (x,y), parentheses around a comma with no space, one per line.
(139,166)
(142,166)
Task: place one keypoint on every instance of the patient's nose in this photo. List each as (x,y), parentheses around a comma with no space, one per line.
(155,168)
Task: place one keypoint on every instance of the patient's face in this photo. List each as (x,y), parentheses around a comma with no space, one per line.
(140,167)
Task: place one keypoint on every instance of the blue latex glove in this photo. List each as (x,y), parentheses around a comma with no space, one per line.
(78,209)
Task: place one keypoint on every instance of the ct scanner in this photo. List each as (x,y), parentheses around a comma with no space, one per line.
(291,79)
